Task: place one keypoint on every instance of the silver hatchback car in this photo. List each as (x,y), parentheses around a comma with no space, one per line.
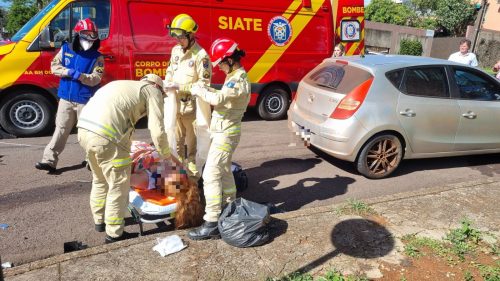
(379,109)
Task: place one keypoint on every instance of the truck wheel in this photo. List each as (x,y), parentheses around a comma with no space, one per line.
(380,156)
(25,113)
(273,104)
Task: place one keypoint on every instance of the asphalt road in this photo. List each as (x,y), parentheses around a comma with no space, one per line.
(44,211)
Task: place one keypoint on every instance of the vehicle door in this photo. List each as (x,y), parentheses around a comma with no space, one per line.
(425,110)
(478,97)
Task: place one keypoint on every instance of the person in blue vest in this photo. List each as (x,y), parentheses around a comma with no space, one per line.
(81,67)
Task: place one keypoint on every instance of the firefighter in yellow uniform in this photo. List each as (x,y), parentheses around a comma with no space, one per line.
(189,64)
(230,104)
(105,129)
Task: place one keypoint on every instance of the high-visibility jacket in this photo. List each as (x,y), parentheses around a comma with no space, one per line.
(229,103)
(185,69)
(115,108)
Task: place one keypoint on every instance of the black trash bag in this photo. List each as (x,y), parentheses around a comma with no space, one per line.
(244,223)
(240,177)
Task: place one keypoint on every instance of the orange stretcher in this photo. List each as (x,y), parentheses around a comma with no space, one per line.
(150,206)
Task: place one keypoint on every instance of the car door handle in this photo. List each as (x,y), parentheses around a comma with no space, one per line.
(408,113)
(469,115)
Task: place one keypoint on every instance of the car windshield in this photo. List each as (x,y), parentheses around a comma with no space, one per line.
(33,21)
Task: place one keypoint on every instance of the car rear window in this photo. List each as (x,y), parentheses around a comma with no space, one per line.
(338,77)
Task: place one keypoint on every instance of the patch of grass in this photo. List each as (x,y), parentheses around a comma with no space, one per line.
(468,276)
(414,244)
(332,275)
(357,207)
(490,272)
(335,275)
(294,276)
(463,239)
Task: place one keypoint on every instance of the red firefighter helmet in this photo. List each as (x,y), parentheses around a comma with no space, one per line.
(221,49)
(86,29)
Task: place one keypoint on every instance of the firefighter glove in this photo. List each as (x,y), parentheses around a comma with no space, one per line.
(76,75)
(165,152)
(196,90)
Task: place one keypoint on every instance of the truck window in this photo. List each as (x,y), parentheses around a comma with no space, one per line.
(33,21)
(61,27)
(97,11)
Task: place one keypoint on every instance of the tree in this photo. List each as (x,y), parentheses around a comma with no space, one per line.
(424,7)
(3,19)
(387,11)
(21,11)
(455,15)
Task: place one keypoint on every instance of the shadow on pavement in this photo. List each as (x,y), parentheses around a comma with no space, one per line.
(358,238)
(481,163)
(262,184)
(277,228)
(68,168)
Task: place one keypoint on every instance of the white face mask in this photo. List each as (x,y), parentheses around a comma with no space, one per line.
(86,44)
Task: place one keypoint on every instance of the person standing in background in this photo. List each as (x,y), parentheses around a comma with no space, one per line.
(496,68)
(189,64)
(463,55)
(81,67)
(338,51)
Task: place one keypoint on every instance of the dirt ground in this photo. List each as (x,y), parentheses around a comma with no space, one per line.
(430,266)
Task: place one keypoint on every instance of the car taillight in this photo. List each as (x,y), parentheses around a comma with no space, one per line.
(352,101)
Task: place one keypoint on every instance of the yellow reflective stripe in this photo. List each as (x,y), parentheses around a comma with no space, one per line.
(273,53)
(218,113)
(229,190)
(114,220)
(104,129)
(235,129)
(214,198)
(224,147)
(121,162)
(354,46)
(98,202)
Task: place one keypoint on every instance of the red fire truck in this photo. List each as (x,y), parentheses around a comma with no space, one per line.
(283,39)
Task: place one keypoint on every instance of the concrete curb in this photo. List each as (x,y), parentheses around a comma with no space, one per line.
(284,216)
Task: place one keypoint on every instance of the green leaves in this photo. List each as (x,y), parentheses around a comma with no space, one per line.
(387,11)
(455,15)
(410,47)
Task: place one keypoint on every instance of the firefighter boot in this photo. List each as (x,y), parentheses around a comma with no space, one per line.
(208,230)
(126,235)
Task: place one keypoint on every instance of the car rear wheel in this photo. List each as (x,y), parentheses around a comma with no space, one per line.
(26,113)
(274,103)
(380,156)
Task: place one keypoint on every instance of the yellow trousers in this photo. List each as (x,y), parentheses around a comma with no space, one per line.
(185,134)
(111,180)
(218,180)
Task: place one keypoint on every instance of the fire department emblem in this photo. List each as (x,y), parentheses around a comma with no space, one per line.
(279,31)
